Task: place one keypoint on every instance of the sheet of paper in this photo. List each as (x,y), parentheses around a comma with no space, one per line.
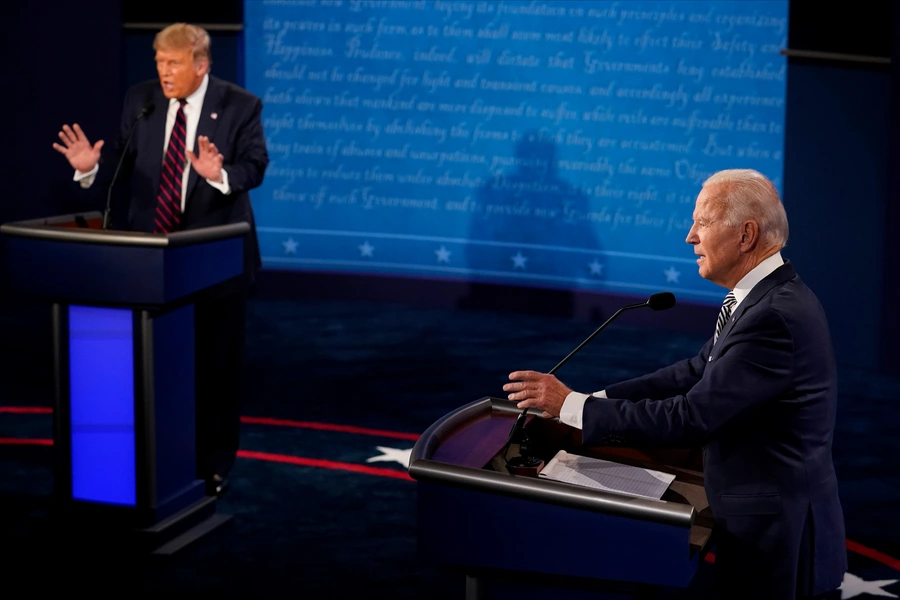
(605,475)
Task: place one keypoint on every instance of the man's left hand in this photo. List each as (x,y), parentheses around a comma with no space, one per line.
(537,390)
(208,161)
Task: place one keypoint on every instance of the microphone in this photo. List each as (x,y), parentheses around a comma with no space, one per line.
(145,110)
(658,301)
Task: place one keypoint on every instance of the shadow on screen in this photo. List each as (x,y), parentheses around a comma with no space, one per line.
(523,252)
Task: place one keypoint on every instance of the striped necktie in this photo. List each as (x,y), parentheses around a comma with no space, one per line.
(724,314)
(168,199)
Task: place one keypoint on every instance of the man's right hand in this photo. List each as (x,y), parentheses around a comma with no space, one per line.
(77,149)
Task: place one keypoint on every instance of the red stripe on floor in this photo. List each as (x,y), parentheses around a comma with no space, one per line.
(330,427)
(874,555)
(26,442)
(324,464)
(279,458)
(40,410)
(852,546)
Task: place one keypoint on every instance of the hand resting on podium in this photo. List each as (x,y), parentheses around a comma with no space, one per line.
(532,389)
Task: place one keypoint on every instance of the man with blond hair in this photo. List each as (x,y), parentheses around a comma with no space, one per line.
(760,397)
(197,148)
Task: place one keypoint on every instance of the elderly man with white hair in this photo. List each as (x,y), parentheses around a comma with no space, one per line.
(760,398)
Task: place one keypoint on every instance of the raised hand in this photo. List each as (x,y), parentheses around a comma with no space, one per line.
(77,148)
(208,161)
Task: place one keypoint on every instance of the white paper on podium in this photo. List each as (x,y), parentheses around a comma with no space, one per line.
(605,475)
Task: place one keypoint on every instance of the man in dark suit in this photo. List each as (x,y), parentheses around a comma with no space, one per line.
(197,149)
(760,397)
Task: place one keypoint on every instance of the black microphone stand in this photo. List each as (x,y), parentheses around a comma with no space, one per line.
(146,110)
(525,463)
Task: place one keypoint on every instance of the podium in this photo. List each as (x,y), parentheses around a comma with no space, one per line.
(526,537)
(124,379)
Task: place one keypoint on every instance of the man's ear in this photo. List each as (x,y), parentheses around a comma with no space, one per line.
(202,66)
(749,235)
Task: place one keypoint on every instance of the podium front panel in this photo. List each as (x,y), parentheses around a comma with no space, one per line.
(93,273)
(86,273)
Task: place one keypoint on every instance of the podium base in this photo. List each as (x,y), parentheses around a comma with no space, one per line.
(192,534)
(525,465)
(164,538)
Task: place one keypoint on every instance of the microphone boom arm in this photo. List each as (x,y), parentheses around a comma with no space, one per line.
(146,110)
(598,330)
(661,301)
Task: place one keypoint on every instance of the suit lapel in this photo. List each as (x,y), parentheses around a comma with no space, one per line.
(759,291)
(212,105)
(156,136)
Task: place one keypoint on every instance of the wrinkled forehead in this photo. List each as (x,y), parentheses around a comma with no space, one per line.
(709,203)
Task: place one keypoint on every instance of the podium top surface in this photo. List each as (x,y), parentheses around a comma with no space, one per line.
(85,229)
(456,450)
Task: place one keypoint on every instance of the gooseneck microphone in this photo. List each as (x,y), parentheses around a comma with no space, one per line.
(659,301)
(145,110)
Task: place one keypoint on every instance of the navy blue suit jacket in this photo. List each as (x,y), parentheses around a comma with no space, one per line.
(762,402)
(236,131)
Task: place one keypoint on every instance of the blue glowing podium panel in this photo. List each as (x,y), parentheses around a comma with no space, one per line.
(101,404)
(123,327)
(548,539)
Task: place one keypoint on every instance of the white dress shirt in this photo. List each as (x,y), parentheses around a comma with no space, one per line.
(192,117)
(572,409)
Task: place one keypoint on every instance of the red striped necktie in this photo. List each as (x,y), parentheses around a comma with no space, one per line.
(168,199)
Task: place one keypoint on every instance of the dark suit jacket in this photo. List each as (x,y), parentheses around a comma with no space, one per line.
(236,131)
(762,401)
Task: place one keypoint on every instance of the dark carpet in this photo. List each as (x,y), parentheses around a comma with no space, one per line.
(313,532)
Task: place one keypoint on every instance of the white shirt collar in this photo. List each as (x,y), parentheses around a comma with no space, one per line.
(757,274)
(195,100)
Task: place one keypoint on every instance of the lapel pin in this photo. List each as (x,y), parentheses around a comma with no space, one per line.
(214,116)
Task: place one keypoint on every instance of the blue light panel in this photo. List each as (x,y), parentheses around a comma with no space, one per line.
(101,376)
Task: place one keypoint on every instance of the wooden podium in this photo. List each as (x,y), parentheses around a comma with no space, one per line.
(124,380)
(528,537)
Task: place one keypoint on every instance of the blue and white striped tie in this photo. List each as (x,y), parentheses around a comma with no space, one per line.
(724,314)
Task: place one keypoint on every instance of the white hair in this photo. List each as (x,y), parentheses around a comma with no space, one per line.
(748,195)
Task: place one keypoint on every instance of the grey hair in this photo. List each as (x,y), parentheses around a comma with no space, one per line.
(748,195)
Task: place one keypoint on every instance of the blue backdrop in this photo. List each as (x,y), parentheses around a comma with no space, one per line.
(557,144)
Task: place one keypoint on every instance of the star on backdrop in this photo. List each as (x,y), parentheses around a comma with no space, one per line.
(290,246)
(519,261)
(366,250)
(672,275)
(596,268)
(391,454)
(443,255)
(853,586)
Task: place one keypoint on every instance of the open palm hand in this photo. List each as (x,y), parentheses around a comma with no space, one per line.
(78,149)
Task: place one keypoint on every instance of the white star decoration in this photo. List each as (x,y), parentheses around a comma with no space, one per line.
(854,586)
(596,268)
(519,261)
(443,255)
(672,275)
(392,454)
(290,246)
(366,249)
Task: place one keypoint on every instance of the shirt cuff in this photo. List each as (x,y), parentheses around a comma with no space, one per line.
(222,187)
(86,178)
(573,408)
